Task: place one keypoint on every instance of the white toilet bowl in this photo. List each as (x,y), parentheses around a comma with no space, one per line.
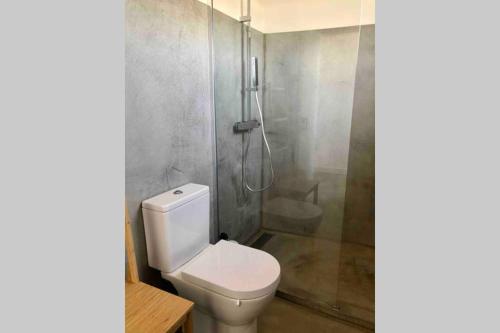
(230,284)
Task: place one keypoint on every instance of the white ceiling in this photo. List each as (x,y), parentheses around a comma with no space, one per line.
(270,16)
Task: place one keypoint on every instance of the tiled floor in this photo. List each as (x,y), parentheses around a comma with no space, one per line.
(318,268)
(325,272)
(309,266)
(356,281)
(282,316)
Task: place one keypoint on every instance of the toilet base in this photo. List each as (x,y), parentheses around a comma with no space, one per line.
(203,323)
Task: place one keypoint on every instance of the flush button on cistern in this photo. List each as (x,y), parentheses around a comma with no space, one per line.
(177,192)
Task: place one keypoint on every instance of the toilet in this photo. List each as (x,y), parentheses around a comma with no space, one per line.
(229,283)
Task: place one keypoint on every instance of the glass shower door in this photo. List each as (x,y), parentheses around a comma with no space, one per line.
(308,107)
(308,73)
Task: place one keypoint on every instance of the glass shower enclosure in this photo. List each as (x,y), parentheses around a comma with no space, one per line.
(309,199)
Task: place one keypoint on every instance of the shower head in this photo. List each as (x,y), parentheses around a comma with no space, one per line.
(255,72)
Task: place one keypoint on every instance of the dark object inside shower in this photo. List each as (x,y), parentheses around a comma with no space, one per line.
(262,240)
(245,126)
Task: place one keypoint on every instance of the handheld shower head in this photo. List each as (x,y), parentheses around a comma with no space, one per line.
(254,87)
(255,72)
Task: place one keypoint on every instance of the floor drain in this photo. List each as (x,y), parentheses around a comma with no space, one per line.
(262,240)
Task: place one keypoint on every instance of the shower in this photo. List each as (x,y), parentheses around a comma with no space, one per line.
(254,88)
(301,186)
(251,73)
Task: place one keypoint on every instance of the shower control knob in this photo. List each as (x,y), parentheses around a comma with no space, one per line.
(245,126)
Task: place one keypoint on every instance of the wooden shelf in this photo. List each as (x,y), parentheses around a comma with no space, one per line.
(149,309)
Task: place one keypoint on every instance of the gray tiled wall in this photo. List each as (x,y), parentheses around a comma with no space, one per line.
(310,78)
(311,86)
(309,91)
(169,133)
(359,216)
(168,130)
(239,211)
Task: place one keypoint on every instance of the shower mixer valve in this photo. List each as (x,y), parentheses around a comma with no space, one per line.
(245,126)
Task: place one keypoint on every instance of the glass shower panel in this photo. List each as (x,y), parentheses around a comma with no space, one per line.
(308,107)
(308,57)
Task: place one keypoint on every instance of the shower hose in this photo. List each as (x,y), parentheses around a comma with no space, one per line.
(268,151)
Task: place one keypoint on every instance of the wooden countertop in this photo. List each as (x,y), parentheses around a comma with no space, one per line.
(149,309)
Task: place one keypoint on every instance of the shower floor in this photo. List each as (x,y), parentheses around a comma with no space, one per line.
(282,316)
(331,276)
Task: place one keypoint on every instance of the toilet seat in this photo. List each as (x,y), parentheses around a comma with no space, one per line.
(234,270)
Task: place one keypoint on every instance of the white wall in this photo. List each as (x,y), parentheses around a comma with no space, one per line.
(270,16)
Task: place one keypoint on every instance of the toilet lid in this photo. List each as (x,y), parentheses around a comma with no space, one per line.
(234,270)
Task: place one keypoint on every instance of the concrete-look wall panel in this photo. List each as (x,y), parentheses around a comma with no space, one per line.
(309,97)
(359,216)
(239,210)
(168,118)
